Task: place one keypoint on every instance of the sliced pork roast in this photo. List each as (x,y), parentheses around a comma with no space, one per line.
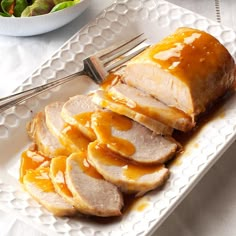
(80,194)
(130,178)
(46,142)
(102,98)
(77,111)
(57,175)
(70,137)
(130,139)
(147,105)
(188,70)
(93,194)
(38,184)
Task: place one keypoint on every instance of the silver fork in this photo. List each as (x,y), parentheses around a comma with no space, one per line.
(96,67)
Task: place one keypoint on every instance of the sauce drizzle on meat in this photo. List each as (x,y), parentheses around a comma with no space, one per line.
(105,122)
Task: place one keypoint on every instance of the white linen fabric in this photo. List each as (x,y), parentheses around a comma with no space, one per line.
(210,209)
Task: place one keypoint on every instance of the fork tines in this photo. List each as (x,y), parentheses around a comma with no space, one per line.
(116,52)
(123,60)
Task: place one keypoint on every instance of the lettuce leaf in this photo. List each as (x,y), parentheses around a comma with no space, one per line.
(19,7)
(63,5)
(39,7)
(8,6)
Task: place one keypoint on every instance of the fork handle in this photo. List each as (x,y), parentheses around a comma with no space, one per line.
(14,99)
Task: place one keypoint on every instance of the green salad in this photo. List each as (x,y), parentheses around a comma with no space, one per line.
(25,8)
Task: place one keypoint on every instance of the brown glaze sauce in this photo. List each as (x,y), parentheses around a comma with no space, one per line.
(31,160)
(131,170)
(59,164)
(185,139)
(131,203)
(110,81)
(40,178)
(81,160)
(141,206)
(173,53)
(104,122)
(166,116)
(170,114)
(76,137)
(84,119)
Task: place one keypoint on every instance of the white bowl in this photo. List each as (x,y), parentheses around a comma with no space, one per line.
(28,26)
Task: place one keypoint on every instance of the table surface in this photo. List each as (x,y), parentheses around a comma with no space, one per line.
(210,209)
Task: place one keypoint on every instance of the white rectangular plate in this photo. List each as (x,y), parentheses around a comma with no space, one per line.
(123,19)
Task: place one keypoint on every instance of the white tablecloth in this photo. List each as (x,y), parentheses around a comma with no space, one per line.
(210,209)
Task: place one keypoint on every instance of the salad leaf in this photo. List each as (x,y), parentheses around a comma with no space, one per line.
(0,6)
(39,7)
(19,7)
(13,7)
(4,14)
(63,5)
(59,1)
(25,8)
(8,6)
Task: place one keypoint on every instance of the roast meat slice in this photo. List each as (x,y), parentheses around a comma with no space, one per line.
(93,194)
(77,112)
(69,136)
(130,177)
(142,102)
(38,184)
(102,99)
(46,142)
(130,139)
(57,175)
